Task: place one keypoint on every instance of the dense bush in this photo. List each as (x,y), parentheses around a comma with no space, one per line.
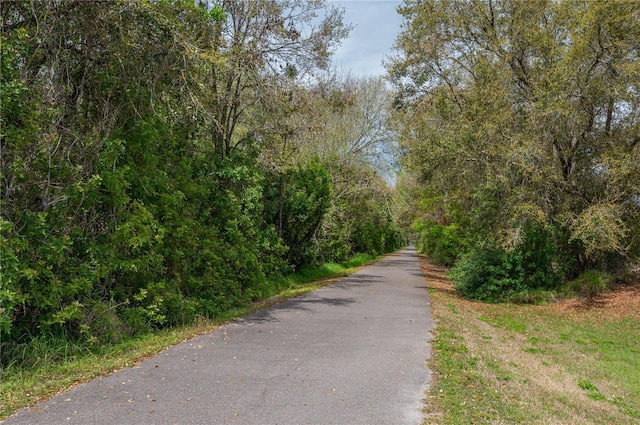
(334,235)
(359,226)
(295,204)
(141,244)
(491,273)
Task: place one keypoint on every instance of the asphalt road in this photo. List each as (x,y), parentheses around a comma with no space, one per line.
(350,353)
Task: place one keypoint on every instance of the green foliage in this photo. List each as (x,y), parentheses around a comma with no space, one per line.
(589,284)
(321,272)
(442,244)
(295,204)
(360,218)
(40,349)
(358,226)
(10,274)
(377,237)
(137,194)
(489,273)
(359,259)
(543,257)
(334,237)
(512,112)
(533,296)
(216,13)
(492,273)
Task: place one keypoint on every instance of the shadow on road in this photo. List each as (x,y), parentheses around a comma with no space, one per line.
(392,262)
(304,303)
(357,280)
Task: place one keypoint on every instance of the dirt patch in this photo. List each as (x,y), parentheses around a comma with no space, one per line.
(623,301)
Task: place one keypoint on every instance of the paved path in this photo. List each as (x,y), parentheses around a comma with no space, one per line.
(350,353)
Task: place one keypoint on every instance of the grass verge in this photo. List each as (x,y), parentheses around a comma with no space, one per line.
(512,364)
(21,387)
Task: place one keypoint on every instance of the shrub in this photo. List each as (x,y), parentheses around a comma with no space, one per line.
(442,244)
(544,261)
(491,273)
(590,283)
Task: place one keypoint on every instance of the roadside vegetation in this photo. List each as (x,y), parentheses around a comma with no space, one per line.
(48,365)
(518,121)
(568,362)
(164,163)
(519,124)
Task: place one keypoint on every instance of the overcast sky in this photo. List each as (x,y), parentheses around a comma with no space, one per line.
(376,25)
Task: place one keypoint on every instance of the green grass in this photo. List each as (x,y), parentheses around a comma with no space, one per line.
(49,365)
(512,364)
(330,270)
(600,357)
(462,393)
(508,323)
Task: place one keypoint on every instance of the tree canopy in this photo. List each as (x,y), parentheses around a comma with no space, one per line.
(524,114)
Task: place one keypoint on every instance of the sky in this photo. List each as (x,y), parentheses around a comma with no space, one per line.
(376,25)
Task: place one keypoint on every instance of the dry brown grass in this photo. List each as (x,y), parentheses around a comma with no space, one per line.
(622,302)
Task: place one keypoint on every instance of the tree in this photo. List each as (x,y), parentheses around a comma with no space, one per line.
(248,49)
(118,127)
(340,122)
(296,203)
(155,163)
(519,112)
(351,137)
(91,90)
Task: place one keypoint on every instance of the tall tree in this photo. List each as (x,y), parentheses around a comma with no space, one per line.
(341,122)
(120,184)
(80,82)
(352,137)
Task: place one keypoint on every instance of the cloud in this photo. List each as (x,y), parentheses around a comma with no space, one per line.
(376,25)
